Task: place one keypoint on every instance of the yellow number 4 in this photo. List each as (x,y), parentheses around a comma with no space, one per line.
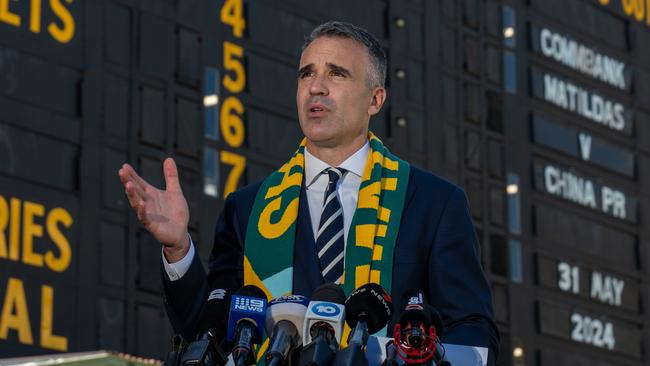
(232,14)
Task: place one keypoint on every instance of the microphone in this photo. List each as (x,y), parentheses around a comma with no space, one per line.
(323,326)
(246,323)
(391,352)
(368,309)
(439,356)
(418,330)
(207,349)
(174,355)
(284,322)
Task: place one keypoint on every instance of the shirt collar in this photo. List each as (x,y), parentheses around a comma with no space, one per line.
(356,163)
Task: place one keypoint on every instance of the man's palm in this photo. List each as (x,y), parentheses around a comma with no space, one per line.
(164,213)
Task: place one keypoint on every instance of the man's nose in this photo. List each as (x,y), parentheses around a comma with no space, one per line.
(319,86)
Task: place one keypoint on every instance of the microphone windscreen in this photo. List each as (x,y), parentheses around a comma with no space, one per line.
(215,313)
(415,309)
(249,304)
(291,308)
(252,291)
(329,292)
(372,302)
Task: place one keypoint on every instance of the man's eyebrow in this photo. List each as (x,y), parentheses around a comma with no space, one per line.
(305,68)
(341,69)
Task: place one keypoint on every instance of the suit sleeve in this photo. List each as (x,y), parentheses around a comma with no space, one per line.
(185,297)
(458,288)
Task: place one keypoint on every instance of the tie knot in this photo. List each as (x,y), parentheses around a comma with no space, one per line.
(335,174)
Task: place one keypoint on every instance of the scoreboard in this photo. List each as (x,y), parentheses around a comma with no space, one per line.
(539,109)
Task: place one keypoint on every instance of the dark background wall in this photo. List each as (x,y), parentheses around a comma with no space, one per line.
(88,85)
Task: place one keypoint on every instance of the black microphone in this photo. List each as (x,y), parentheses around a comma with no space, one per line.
(418,331)
(439,356)
(368,309)
(174,355)
(246,323)
(323,326)
(208,348)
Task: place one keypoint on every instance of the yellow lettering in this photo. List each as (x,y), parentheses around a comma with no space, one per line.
(4,222)
(14,230)
(288,181)
(65,33)
(238,163)
(294,179)
(232,56)
(639,10)
(7,16)
(30,231)
(14,313)
(56,216)
(232,13)
(232,126)
(628,6)
(271,230)
(35,18)
(48,339)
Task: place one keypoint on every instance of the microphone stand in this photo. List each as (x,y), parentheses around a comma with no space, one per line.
(174,355)
(204,352)
(353,354)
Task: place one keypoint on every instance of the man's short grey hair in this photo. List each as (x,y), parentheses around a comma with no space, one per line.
(377,74)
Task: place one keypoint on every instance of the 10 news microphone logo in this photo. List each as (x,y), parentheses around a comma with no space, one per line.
(326,309)
(249,304)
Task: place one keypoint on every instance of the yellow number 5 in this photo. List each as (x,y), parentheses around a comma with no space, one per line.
(230,63)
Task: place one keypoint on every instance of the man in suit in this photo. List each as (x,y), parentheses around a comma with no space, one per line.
(340,86)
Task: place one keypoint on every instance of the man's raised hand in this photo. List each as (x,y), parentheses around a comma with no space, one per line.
(163,213)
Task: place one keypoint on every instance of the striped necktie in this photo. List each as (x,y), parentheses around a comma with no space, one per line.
(329,239)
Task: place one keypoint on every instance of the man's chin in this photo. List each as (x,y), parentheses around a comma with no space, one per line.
(320,140)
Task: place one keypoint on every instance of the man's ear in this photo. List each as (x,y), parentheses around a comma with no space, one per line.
(377,100)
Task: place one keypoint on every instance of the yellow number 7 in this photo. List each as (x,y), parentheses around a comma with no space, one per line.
(238,163)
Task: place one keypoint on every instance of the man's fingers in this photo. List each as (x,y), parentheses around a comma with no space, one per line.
(127,173)
(171,175)
(141,212)
(134,193)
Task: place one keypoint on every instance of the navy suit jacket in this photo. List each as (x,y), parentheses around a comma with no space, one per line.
(436,251)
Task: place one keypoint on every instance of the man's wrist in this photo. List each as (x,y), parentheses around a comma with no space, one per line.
(175,253)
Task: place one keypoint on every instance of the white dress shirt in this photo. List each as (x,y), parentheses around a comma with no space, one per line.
(316,184)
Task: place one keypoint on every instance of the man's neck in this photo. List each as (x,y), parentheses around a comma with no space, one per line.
(334,156)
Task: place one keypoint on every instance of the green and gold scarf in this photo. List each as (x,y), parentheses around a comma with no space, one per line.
(271,231)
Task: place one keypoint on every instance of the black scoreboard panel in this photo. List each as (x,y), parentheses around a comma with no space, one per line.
(540,109)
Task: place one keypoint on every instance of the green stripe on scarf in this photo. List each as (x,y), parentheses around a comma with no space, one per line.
(271,231)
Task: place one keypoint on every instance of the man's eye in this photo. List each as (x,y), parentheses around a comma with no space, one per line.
(305,74)
(337,73)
